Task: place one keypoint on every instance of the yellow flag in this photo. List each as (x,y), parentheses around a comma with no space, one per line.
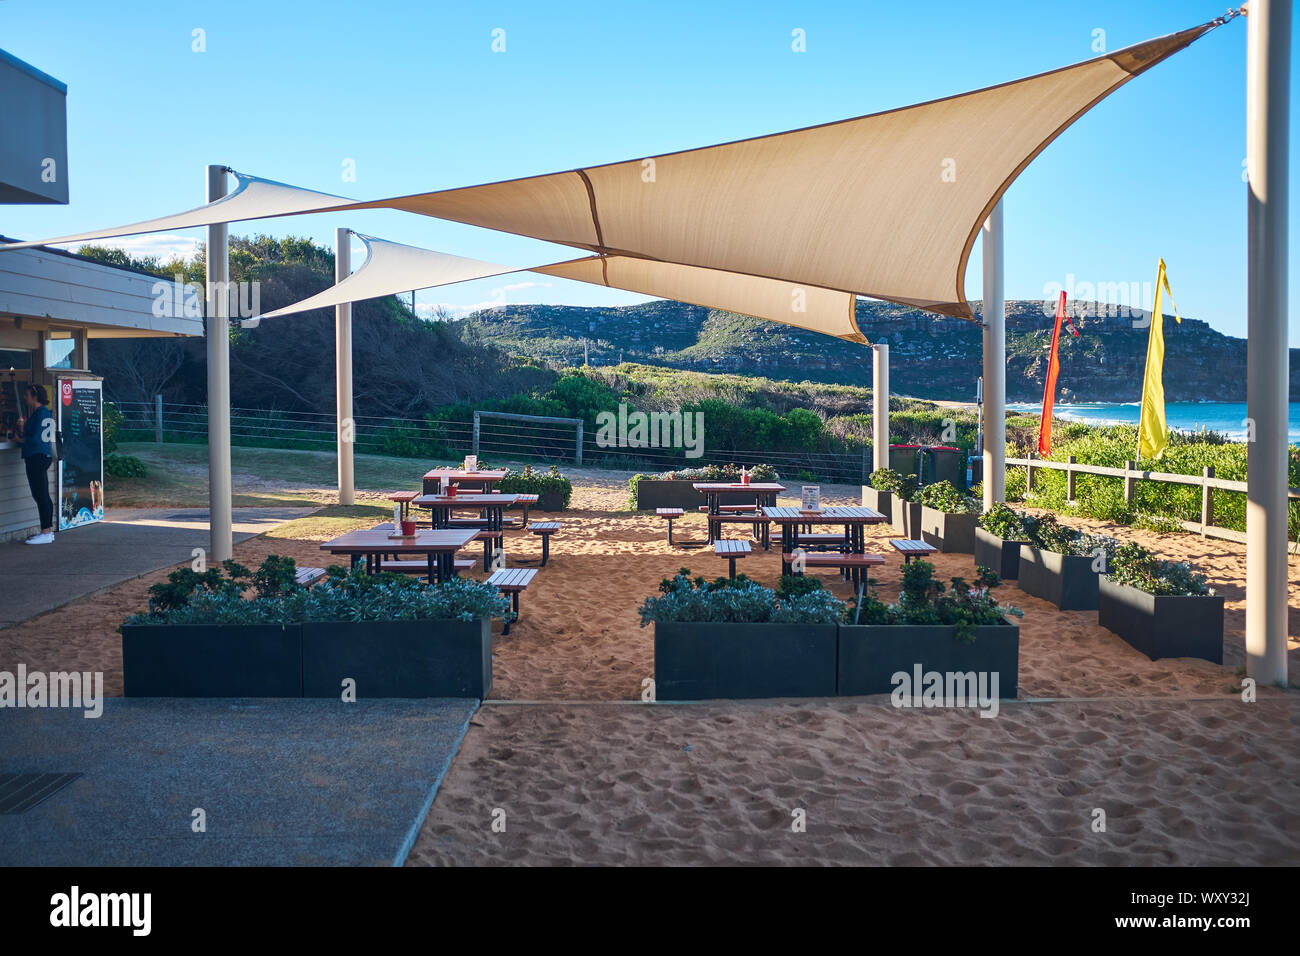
(1153,433)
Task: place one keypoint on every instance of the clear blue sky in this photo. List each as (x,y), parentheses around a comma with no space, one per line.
(413,93)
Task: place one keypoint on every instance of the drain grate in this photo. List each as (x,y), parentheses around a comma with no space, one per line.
(19,792)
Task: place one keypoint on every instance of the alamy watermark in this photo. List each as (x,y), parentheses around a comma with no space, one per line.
(922,688)
(83,690)
(633,429)
(179,299)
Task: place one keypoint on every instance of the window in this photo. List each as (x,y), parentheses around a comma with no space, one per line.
(59,352)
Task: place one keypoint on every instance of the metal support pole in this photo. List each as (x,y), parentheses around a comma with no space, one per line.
(880,405)
(476,429)
(343,368)
(995,362)
(157,419)
(577,458)
(1268,70)
(218,332)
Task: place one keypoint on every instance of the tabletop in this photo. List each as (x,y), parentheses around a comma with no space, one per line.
(763,486)
(456,474)
(468,500)
(424,542)
(841,515)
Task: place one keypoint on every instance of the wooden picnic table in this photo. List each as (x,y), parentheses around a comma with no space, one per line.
(764,493)
(488,527)
(436,478)
(439,547)
(853,519)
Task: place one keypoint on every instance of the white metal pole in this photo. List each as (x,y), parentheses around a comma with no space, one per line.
(343,368)
(995,362)
(880,405)
(1268,70)
(218,332)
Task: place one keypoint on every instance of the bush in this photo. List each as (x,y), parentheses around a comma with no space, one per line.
(531,482)
(924,600)
(124,466)
(112,425)
(898,485)
(738,601)
(1050,535)
(1005,522)
(1137,567)
(943,496)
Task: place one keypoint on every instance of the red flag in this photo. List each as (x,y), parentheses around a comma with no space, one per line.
(1049,386)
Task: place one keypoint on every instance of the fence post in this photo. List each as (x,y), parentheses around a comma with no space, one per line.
(1029,472)
(578,454)
(475,451)
(1207,499)
(157,419)
(1129,466)
(1069,479)
(866,475)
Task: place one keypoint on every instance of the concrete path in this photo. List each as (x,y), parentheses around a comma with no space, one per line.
(129,543)
(280,782)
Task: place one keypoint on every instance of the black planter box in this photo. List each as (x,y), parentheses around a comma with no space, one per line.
(999,554)
(950,533)
(398,658)
(882,501)
(1163,625)
(907,519)
(550,501)
(870,655)
(696,661)
(652,493)
(212,660)
(1068,581)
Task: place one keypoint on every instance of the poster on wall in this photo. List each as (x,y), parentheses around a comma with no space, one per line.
(81,467)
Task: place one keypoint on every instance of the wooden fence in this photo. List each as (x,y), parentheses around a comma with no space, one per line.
(1131,474)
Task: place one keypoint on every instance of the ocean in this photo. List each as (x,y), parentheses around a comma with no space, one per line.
(1225,417)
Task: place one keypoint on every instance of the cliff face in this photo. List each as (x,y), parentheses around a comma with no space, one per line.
(930,356)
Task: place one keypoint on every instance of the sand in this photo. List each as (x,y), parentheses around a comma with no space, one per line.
(1185,771)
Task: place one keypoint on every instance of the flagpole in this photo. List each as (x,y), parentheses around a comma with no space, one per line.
(1268,71)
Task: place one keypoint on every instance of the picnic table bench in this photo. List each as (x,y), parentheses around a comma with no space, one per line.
(910,549)
(545,529)
(733,550)
(308,576)
(854,565)
(512,582)
(670,515)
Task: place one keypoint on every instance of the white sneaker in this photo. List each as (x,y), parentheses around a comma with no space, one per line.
(46,538)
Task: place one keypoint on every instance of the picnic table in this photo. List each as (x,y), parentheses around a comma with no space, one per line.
(439,547)
(853,519)
(491,508)
(436,479)
(764,493)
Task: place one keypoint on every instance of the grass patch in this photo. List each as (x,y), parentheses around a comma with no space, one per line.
(331,521)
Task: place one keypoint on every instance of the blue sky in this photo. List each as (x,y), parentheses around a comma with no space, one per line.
(414,95)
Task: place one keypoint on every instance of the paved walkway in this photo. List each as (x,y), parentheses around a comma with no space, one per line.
(280,782)
(128,544)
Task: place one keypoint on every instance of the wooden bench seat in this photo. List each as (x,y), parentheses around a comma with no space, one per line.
(419,565)
(732,509)
(760,525)
(733,550)
(910,549)
(308,576)
(853,566)
(545,529)
(512,582)
(670,515)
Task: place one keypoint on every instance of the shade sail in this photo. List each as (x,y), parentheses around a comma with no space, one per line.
(886,205)
(391,267)
(252,198)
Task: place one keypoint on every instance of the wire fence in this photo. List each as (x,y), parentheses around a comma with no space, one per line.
(511,439)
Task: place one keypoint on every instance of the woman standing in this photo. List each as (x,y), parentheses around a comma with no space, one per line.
(38,455)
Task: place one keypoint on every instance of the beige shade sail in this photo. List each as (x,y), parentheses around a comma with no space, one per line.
(886,205)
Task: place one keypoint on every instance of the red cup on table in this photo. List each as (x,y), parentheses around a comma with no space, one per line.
(408,528)
(451,489)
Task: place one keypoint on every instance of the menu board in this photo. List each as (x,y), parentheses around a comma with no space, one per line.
(812,498)
(81,468)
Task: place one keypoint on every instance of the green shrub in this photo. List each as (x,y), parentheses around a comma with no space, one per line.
(898,485)
(1047,533)
(112,428)
(124,466)
(738,601)
(1005,522)
(924,600)
(1137,567)
(944,496)
(531,482)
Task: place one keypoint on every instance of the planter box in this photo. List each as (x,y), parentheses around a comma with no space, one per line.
(1068,581)
(882,501)
(1163,625)
(210,660)
(652,493)
(550,501)
(870,655)
(708,661)
(1000,554)
(950,533)
(398,658)
(907,519)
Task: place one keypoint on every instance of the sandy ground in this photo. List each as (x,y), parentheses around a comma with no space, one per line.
(1184,770)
